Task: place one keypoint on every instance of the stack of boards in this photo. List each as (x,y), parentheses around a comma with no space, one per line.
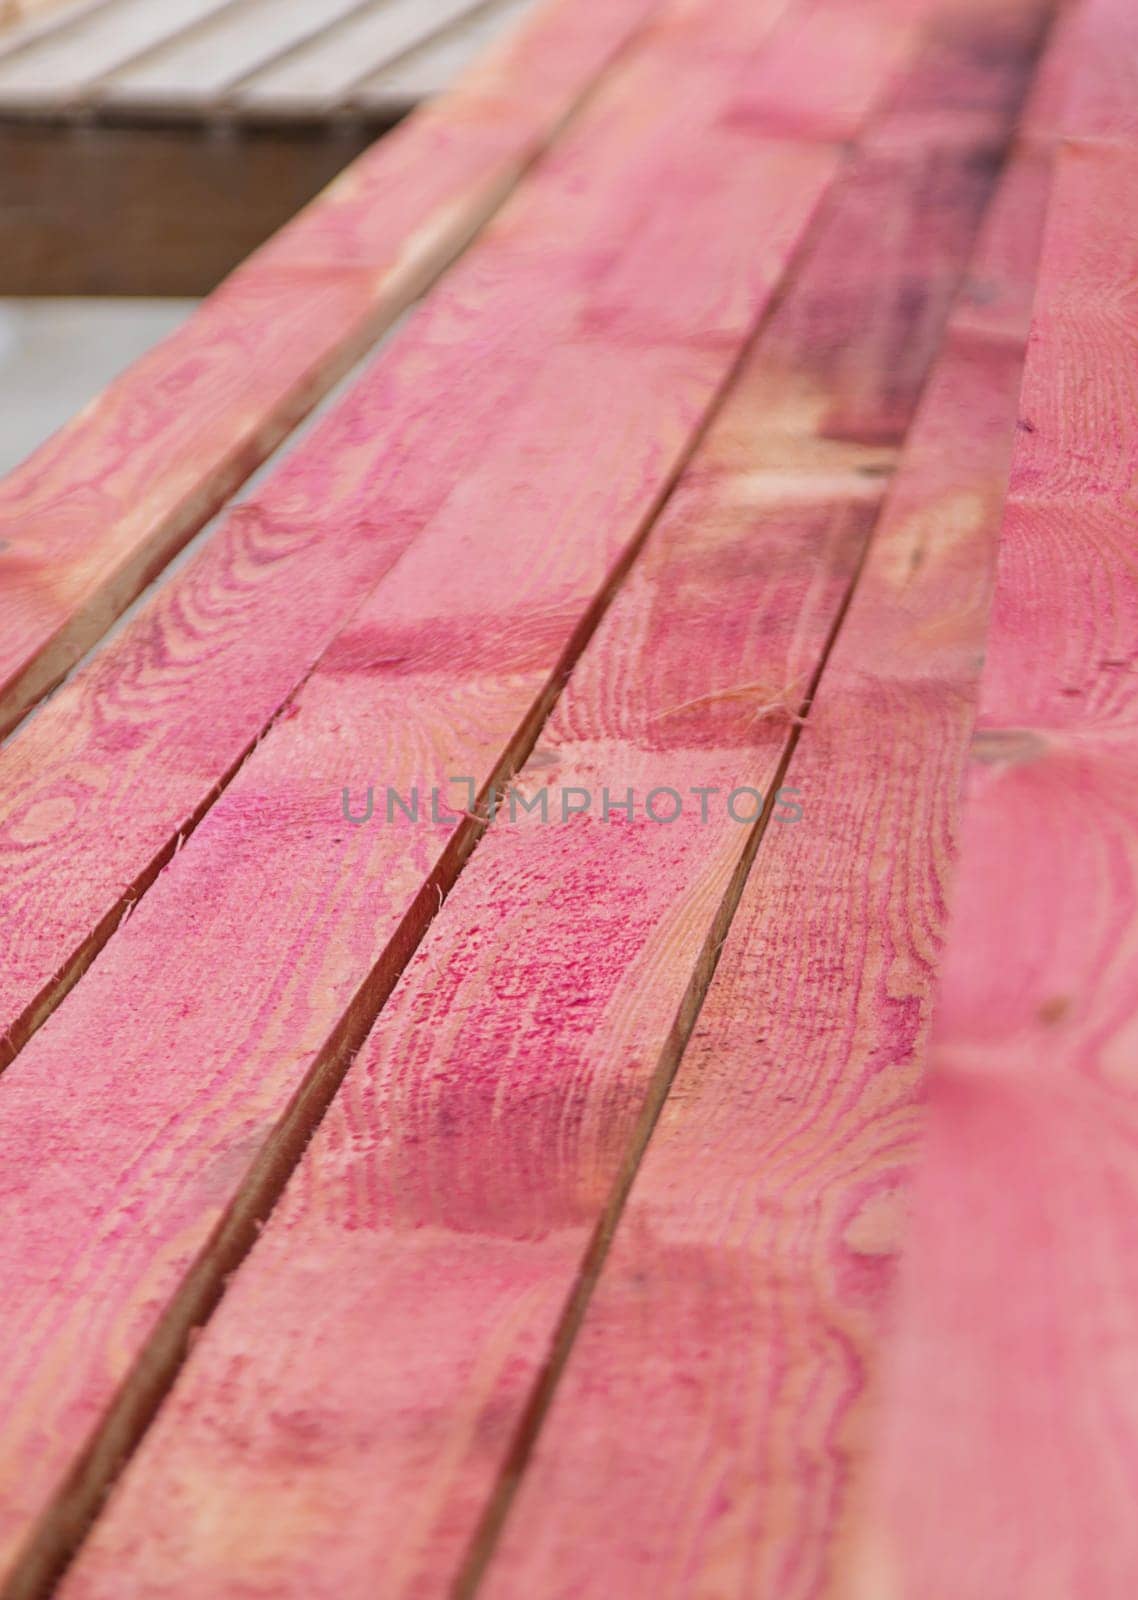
(570,973)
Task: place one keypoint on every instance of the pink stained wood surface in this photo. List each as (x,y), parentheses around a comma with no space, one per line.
(415,1274)
(1101,99)
(214,1017)
(99,786)
(90,517)
(710,1433)
(977,58)
(1010,1433)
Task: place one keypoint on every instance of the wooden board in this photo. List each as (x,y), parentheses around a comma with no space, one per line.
(1102,97)
(321,79)
(712,1427)
(94,799)
(230,1050)
(200,67)
(1010,1434)
(90,517)
(51,70)
(149,211)
(22,21)
(420,1270)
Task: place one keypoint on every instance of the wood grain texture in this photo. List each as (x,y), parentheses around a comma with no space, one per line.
(106,503)
(710,1432)
(100,785)
(201,1073)
(87,208)
(416,1273)
(1012,1389)
(22,21)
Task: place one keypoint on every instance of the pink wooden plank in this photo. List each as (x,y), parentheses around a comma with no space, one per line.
(416,1272)
(202,1070)
(88,519)
(1011,1435)
(978,56)
(710,1432)
(97,789)
(1102,97)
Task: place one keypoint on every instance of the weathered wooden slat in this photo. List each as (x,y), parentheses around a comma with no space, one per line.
(52,71)
(1042,120)
(24,24)
(440,1216)
(98,510)
(200,1099)
(1010,1436)
(132,209)
(193,71)
(424,73)
(711,1430)
(319,78)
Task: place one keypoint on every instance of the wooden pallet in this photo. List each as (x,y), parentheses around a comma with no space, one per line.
(471,934)
(147,146)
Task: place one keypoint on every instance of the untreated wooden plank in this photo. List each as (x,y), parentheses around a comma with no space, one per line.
(202,1099)
(711,1430)
(1102,96)
(50,72)
(94,798)
(1010,1432)
(979,55)
(423,73)
(319,78)
(193,71)
(103,506)
(485,1122)
(441,1214)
